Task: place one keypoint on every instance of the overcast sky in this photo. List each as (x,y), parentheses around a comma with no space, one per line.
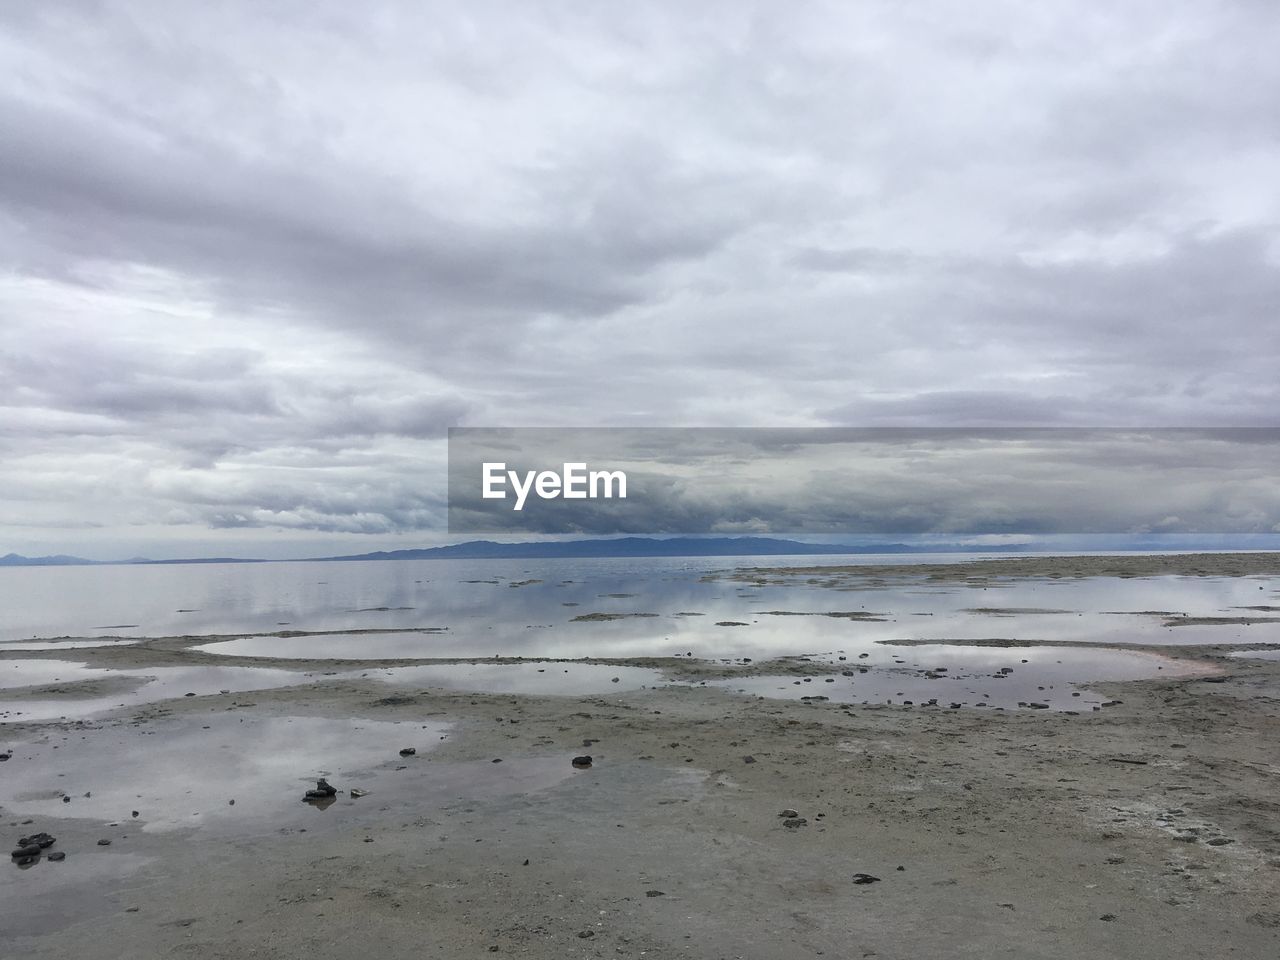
(257,258)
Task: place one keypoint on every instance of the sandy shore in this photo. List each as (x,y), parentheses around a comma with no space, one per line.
(1102,565)
(1149,829)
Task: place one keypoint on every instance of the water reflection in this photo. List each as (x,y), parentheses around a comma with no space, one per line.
(185,772)
(1004,678)
(151,685)
(536,678)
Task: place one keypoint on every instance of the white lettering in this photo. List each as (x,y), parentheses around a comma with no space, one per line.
(521,491)
(609,477)
(548,484)
(494,477)
(575,481)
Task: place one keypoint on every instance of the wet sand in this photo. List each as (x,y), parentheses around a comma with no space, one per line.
(1150,828)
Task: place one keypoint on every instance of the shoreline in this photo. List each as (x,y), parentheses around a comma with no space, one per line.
(1149,828)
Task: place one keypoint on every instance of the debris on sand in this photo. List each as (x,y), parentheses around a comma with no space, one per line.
(323,791)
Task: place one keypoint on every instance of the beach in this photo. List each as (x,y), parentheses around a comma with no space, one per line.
(709,823)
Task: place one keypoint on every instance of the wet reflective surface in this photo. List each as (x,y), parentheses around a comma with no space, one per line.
(150,685)
(55,645)
(600,608)
(548,679)
(1005,678)
(509,606)
(184,772)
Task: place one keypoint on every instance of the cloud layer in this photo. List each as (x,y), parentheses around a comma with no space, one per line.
(257,261)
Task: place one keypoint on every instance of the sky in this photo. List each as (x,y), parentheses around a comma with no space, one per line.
(255,260)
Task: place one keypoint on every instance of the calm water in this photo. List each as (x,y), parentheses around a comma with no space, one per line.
(481,611)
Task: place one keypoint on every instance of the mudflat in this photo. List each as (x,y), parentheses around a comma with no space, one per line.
(708,824)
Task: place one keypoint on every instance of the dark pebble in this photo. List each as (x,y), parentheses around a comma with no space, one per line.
(57,855)
(584,761)
(408,751)
(654,893)
(104,842)
(865,878)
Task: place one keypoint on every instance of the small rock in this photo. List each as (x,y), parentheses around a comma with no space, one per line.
(795,823)
(748,759)
(408,751)
(864,878)
(57,856)
(586,934)
(356,793)
(654,893)
(26,851)
(104,842)
(788,813)
(583,761)
(1108,917)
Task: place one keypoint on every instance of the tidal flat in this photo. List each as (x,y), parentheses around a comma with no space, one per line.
(1021,757)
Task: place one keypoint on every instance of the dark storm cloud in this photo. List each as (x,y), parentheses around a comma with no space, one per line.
(259,259)
(879,481)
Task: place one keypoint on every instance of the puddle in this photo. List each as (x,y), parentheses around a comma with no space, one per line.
(972,678)
(26,673)
(179,774)
(154,684)
(46,895)
(1258,654)
(52,645)
(335,646)
(553,679)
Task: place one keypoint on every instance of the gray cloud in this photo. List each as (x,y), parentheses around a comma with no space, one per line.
(257,261)
(887,481)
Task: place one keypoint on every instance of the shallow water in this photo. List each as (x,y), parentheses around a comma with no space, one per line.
(537,678)
(183,773)
(577,609)
(1005,678)
(55,645)
(152,685)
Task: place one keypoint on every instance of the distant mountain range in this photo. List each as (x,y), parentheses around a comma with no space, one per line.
(59,560)
(582,549)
